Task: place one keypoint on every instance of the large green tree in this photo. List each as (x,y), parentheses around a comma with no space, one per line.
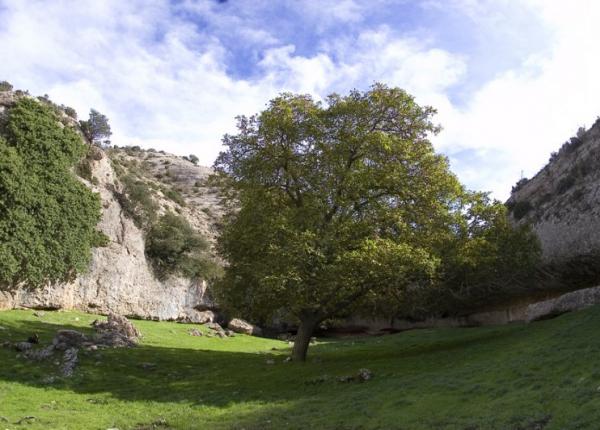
(47,217)
(336,202)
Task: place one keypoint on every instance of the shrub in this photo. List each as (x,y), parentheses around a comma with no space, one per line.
(137,202)
(193,159)
(520,184)
(47,217)
(521,208)
(174,195)
(69,111)
(174,247)
(5,86)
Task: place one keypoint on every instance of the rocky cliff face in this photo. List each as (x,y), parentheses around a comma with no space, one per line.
(120,279)
(562,202)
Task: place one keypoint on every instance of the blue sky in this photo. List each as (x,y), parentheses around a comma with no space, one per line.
(511,79)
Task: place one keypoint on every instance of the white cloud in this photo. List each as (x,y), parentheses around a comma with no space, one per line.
(516,120)
(163,81)
(173,91)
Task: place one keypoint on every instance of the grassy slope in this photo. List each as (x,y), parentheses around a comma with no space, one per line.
(510,377)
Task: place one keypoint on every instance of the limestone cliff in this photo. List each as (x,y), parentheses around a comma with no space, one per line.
(120,279)
(562,202)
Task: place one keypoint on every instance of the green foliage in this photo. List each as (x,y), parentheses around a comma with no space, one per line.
(340,205)
(489,260)
(69,111)
(521,208)
(136,200)
(520,184)
(324,187)
(5,86)
(47,217)
(96,129)
(193,159)
(174,247)
(173,195)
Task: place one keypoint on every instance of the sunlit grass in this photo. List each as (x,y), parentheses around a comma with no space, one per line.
(542,375)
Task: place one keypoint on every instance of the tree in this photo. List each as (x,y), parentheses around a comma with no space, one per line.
(486,261)
(47,217)
(337,202)
(5,86)
(193,159)
(96,129)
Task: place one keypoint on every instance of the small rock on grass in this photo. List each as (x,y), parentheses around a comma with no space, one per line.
(194,332)
(148,366)
(364,375)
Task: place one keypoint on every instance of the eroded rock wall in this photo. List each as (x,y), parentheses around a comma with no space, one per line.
(562,202)
(119,278)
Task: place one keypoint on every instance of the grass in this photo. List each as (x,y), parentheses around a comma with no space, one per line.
(545,375)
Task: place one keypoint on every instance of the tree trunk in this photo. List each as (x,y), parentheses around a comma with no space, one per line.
(305,331)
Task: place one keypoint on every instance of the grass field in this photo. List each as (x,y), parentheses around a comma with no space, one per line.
(544,375)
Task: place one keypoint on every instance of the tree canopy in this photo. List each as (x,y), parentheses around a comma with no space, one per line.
(47,217)
(339,204)
(96,129)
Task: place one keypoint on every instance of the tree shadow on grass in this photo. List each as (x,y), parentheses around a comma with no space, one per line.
(221,379)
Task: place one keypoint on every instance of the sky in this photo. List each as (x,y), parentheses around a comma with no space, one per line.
(511,79)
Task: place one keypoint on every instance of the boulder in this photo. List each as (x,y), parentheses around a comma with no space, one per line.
(65,339)
(568,302)
(116,332)
(23,346)
(70,360)
(117,324)
(238,325)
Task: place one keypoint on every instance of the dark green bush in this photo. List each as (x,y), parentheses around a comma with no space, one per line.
(174,247)
(521,208)
(69,111)
(136,201)
(520,184)
(47,217)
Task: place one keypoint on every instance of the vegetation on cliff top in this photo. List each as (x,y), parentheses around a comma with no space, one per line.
(47,217)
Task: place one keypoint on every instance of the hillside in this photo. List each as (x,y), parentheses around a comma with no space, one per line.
(120,277)
(520,376)
(562,204)
(561,201)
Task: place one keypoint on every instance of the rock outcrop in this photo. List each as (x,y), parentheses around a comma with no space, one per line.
(244,327)
(562,202)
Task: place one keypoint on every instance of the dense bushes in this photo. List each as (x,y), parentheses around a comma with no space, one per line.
(174,247)
(136,201)
(47,217)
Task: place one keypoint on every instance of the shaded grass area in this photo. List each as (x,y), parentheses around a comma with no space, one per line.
(545,375)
